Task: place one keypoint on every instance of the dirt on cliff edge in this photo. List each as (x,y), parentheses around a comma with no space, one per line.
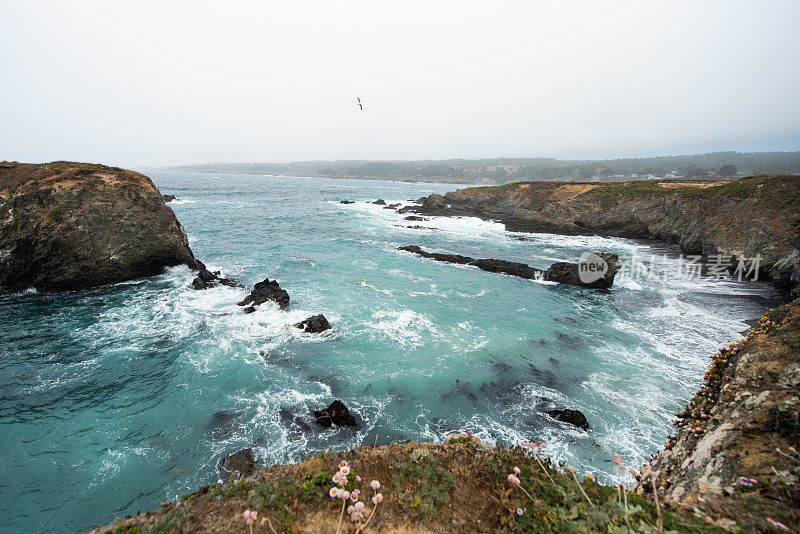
(67,226)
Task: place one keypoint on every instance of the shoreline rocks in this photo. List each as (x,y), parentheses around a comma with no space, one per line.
(68,226)
(572,417)
(737,218)
(206,278)
(562,272)
(168,198)
(314,324)
(239,464)
(336,413)
(264,291)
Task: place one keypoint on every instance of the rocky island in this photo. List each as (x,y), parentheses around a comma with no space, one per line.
(66,226)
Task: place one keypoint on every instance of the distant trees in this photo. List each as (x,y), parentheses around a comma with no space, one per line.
(727,170)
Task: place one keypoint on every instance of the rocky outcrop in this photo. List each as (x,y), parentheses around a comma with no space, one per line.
(573,417)
(739,218)
(743,422)
(597,271)
(335,414)
(314,324)
(168,198)
(380,202)
(239,464)
(264,291)
(66,226)
(206,278)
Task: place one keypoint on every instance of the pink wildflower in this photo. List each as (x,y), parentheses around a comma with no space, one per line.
(377,498)
(250,516)
(513,479)
(777,524)
(333,492)
(375,485)
(517,470)
(520,511)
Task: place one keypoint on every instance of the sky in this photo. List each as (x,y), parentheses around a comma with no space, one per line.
(169,82)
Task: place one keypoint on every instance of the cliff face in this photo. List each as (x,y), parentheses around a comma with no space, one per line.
(741,218)
(70,226)
(744,422)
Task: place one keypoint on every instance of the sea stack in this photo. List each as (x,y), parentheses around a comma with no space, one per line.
(66,226)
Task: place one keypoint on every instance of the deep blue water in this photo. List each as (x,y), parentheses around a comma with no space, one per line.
(104,392)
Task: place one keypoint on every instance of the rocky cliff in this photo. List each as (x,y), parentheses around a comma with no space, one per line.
(739,435)
(741,218)
(70,226)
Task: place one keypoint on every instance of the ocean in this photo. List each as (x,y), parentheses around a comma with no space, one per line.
(105,393)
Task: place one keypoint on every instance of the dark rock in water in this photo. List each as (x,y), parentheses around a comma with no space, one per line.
(239,464)
(335,414)
(431,205)
(69,226)
(206,278)
(264,291)
(565,273)
(380,202)
(392,206)
(222,424)
(169,198)
(314,324)
(347,202)
(416,218)
(573,417)
(249,309)
(290,419)
(594,270)
(197,283)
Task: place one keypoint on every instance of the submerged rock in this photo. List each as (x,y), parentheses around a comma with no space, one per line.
(335,414)
(264,291)
(380,202)
(239,464)
(67,226)
(314,324)
(573,417)
(347,202)
(416,218)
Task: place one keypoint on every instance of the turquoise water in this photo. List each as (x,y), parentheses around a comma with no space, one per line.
(105,392)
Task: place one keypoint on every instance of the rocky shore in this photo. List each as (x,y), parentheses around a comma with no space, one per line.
(733,466)
(66,226)
(598,272)
(756,216)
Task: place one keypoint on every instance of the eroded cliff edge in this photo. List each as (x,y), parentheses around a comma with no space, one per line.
(66,226)
(740,218)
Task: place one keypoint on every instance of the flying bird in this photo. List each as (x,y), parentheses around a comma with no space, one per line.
(359,104)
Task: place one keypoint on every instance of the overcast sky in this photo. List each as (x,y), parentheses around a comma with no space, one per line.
(159,83)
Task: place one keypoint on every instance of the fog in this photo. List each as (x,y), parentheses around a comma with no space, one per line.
(161,83)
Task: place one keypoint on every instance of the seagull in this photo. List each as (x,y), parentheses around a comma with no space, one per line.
(359,104)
